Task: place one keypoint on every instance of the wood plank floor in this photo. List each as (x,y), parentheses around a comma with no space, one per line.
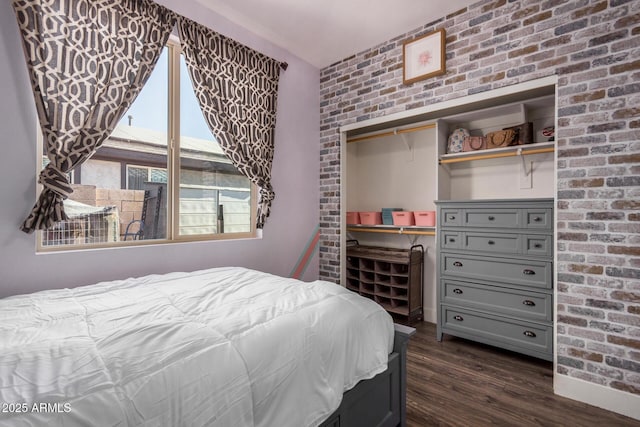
(461,383)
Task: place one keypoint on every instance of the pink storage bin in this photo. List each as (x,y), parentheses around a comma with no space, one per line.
(403,218)
(425,218)
(371,218)
(353,217)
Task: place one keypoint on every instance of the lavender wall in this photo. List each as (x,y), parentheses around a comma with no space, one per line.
(592,46)
(293,218)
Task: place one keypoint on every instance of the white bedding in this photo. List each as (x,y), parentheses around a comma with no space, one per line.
(220,347)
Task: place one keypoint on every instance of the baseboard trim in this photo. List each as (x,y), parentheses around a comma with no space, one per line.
(597,395)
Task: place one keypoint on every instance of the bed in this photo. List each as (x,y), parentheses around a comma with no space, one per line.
(217,347)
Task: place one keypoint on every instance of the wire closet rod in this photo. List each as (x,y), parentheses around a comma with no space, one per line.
(391,133)
(498,155)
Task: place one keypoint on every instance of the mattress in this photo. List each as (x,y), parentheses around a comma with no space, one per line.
(218,347)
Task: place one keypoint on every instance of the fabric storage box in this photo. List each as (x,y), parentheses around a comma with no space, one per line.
(387,215)
(403,218)
(425,218)
(371,218)
(353,217)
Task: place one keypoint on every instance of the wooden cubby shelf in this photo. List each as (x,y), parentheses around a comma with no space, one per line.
(391,277)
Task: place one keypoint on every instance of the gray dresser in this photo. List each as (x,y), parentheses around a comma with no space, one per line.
(495,273)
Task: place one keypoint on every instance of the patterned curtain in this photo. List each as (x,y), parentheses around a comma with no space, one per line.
(87,60)
(237,90)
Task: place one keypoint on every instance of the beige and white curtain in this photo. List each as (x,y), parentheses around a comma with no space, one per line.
(87,61)
(237,89)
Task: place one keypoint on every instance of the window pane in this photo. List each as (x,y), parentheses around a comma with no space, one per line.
(136,177)
(112,202)
(158,175)
(214,196)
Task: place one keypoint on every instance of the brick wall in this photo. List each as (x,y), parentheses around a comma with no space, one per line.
(594,48)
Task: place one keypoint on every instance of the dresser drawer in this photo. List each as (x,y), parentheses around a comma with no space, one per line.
(510,271)
(498,330)
(449,217)
(539,218)
(451,240)
(511,302)
(490,242)
(539,245)
(491,217)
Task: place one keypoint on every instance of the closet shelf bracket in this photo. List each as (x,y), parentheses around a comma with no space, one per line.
(520,154)
(412,238)
(406,141)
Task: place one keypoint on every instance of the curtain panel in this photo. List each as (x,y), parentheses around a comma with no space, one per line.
(237,89)
(87,61)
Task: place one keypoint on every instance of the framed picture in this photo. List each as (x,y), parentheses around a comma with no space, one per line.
(424,57)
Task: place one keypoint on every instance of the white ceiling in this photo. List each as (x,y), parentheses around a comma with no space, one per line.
(325,31)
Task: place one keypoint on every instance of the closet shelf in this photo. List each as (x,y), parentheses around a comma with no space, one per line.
(495,153)
(394,229)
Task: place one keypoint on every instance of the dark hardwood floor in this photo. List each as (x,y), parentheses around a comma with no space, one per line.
(461,383)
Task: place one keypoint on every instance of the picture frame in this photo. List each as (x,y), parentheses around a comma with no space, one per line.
(424,57)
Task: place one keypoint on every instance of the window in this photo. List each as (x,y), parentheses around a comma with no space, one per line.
(160,176)
(138,175)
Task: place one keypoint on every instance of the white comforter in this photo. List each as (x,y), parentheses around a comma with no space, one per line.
(221,347)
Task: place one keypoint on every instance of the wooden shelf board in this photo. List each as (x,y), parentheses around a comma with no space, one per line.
(393,229)
(403,311)
(494,153)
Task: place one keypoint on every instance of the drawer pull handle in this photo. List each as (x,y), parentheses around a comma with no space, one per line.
(457,291)
(537,245)
(537,219)
(529,303)
(458,318)
(452,240)
(529,334)
(491,242)
(457,264)
(528,272)
(451,218)
(491,218)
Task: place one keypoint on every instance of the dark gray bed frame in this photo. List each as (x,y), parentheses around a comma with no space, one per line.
(382,400)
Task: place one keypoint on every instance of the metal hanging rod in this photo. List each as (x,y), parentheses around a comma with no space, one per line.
(391,133)
(498,155)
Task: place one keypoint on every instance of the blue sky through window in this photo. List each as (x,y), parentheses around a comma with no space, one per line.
(149,111)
